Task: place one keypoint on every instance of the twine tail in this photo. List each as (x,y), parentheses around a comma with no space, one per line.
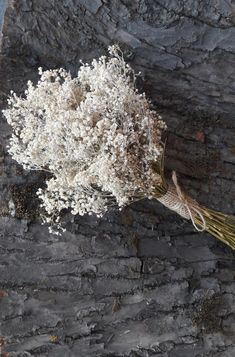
(220,225)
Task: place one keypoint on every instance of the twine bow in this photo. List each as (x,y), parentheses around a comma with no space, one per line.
(189,205)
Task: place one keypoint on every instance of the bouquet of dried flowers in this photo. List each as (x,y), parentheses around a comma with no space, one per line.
(98,137)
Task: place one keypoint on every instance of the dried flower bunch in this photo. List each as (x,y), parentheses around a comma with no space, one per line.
(95,133)
(101,141)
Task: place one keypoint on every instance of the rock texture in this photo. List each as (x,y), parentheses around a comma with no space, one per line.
(140,282)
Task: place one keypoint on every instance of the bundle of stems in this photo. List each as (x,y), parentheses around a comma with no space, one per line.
(218,224)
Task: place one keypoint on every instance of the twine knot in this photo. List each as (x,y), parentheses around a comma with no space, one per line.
(191,207)
(177,201)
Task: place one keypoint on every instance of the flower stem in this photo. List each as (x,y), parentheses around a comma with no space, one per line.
(220,225)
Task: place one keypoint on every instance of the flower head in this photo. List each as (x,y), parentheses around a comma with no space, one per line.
(95,133)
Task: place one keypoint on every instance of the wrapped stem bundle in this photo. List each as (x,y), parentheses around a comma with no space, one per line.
(220,225)
(101,142)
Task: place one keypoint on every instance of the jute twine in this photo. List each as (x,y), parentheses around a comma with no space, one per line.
(186,207)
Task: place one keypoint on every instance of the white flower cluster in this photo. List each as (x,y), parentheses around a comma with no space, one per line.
(95,133)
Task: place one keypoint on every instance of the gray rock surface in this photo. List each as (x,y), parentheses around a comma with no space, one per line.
(140,282)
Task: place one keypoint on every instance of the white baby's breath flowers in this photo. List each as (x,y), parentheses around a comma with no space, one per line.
(94,133)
